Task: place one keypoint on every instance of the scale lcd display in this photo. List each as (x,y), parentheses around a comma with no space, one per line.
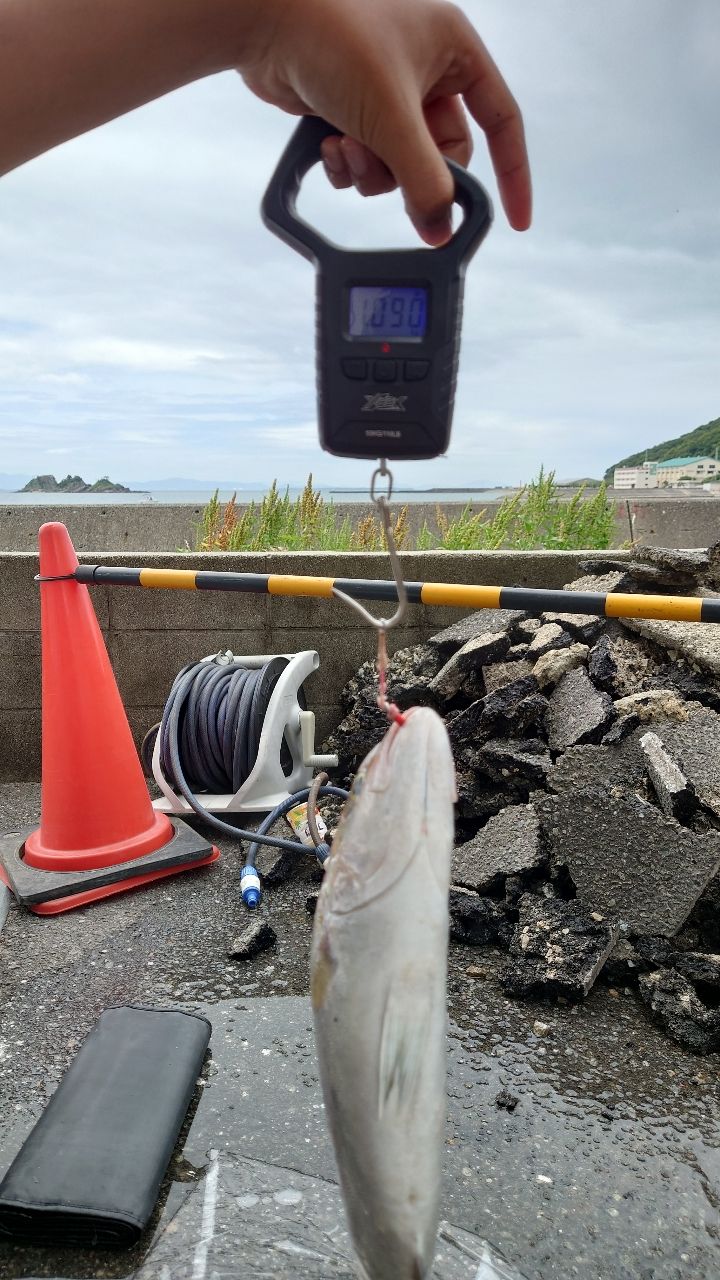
(388,312)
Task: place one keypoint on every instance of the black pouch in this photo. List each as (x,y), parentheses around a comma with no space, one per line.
(90,1171)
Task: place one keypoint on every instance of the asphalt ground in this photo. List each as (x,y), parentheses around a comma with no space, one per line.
(607,1167)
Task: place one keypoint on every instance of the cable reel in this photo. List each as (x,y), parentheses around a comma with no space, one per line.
(240,731)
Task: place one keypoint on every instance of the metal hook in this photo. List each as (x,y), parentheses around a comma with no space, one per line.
(384,472)
(381,502)
(383,625)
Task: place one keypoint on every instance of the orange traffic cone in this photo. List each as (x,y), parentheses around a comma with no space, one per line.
(99,833)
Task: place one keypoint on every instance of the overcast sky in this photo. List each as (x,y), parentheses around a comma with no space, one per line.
(150,326)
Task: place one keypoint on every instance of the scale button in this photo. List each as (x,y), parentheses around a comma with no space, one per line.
(416,370)
(355,369)
(385,370)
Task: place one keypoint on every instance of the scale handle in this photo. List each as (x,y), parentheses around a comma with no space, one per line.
(279,211)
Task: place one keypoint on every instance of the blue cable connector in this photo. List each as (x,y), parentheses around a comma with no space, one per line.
(250,886)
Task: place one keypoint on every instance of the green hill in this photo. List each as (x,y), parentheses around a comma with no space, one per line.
(702,442)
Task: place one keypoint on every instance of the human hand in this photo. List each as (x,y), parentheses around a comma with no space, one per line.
(392,75)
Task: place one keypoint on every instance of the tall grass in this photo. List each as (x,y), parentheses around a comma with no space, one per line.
(536,517)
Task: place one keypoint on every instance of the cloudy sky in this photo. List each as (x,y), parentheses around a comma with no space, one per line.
(150,326)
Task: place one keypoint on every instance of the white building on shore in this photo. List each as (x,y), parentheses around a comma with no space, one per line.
(664,475)
(642,477)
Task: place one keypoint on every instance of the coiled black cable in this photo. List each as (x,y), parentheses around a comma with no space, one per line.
(216,712)
(210,735)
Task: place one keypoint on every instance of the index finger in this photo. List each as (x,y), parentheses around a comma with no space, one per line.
(474,75)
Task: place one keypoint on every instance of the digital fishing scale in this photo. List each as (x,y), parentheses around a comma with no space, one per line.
(387,321)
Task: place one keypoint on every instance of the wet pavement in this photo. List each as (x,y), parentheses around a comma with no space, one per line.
(607,1167)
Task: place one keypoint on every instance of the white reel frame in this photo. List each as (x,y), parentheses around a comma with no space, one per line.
(266,786)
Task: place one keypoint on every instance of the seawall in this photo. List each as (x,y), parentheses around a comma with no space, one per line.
(660,522)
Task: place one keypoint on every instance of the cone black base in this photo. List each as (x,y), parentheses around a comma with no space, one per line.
(49,892)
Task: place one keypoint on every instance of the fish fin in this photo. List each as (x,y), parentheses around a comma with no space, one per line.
(403,1050)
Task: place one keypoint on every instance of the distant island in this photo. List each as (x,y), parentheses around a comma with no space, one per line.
(72,484)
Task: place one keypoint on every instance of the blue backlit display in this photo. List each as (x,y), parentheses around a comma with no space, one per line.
(388,312)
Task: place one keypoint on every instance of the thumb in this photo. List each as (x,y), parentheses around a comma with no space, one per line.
(419,168)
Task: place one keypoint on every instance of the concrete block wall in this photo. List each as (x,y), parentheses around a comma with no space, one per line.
(151,634)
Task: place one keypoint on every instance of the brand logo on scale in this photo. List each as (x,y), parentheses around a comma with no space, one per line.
(383,402)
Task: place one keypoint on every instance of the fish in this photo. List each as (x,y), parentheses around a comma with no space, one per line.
(378,982)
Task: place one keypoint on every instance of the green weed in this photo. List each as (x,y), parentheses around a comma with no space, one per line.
(534,518)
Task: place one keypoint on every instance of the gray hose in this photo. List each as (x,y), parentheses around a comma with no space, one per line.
(321,849)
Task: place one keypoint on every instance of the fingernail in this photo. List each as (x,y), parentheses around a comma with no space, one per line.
(356,158)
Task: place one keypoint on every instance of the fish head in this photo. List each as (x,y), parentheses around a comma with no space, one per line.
(401,803)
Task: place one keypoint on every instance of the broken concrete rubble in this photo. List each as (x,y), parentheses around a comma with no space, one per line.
(620,665)
(515,710)
(631,957)
(277,865)
(561,728)
(578,712)
(550,636)
(528,628)
(625,964)
(676,796)
(699,967)
(514,764)
(478,799)
(409,674)
(485,622)
(695,740)
(694,564)
(258,935)
(354,737)
(653,704)
(552,666)
(652,577)
(612,580)
(600,565)
(477,921)
(507,845)
(504,675)
(705,916)
(687,684)
(627,859)
(619,766)
(654,949)
(621,729)
(582,626)
(677,1007)
(517,651)
(508,710)
(476,653)
(699,645)
(558,947)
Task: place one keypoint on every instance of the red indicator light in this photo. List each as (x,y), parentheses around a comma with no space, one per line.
(385,347)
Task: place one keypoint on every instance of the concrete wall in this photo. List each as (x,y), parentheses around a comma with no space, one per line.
(667,522)
(151,634)
(659,521)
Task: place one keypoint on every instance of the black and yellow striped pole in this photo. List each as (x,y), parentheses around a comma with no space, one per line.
(530,599)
